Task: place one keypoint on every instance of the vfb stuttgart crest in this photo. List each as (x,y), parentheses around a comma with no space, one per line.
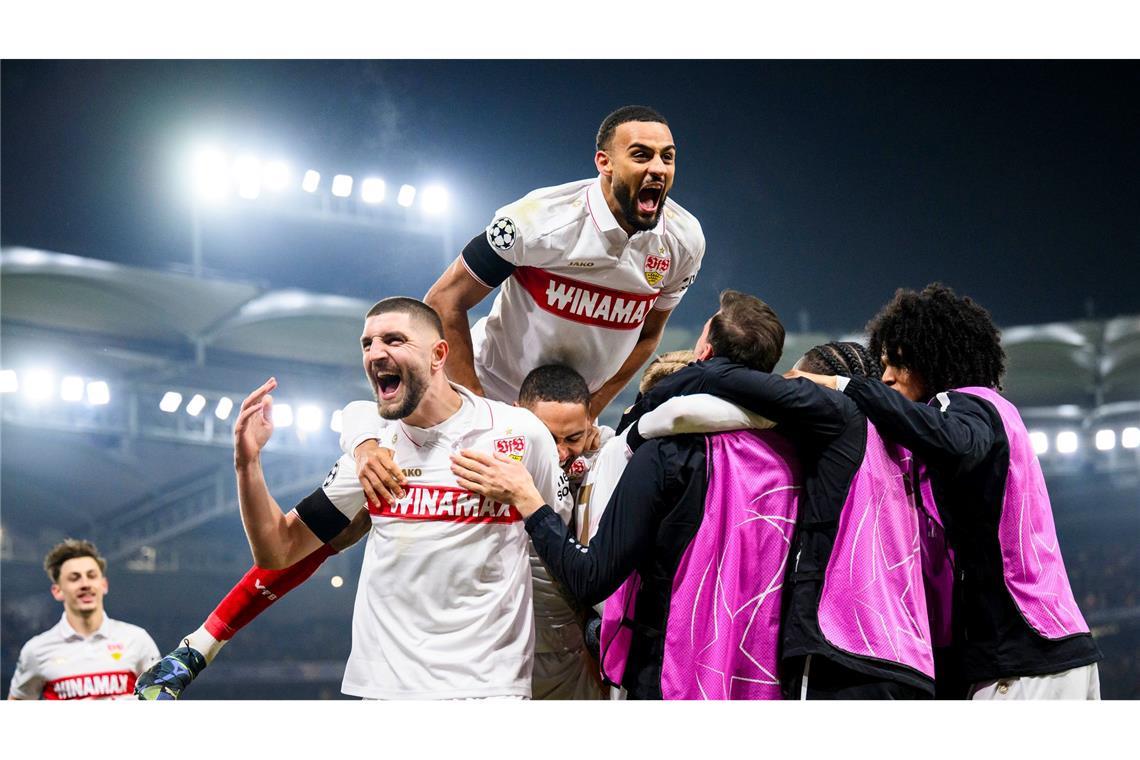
(655,268)
(512,447)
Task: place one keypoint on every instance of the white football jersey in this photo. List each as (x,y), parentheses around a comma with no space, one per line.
(581,287)
(63,664)
(444,605)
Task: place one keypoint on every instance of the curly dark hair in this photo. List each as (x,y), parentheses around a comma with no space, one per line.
(841,358)
(948,340)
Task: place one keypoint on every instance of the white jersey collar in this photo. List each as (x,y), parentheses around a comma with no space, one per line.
(67,633)
(481,418)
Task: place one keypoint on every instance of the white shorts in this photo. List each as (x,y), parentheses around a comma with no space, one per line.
(1078,683)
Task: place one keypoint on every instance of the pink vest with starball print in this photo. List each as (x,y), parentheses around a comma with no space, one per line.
(873,602)
(1031,556)
(723,625)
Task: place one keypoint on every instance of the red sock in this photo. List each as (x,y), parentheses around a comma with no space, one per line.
(257,590)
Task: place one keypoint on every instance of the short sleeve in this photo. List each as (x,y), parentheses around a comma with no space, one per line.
(672,293)
(361,421)
(329,509)
(27,681)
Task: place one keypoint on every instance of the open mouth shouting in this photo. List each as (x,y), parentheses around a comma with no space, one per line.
(387,385)
(649,199)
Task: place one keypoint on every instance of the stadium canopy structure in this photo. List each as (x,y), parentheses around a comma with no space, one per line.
(120,469)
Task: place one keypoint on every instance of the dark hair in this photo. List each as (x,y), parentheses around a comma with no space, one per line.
(410,306)
(747,331)
(621,116)
(71,548)
(948,340)
(554,382)
(845,358)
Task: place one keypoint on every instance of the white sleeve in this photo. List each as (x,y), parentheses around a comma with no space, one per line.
(601,480)
(27,682)
(698,413)
(360,421)
(672,295)
(542,464)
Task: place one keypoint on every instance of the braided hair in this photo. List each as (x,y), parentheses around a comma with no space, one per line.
(845,358)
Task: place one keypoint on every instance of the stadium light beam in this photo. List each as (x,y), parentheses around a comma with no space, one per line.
(39,384)
(9,382)
(98,393)
(1040,442)
(372,190)
(171,400)
(211,175)
(407,196)
(195,406)
(1067,442)
(311,181)
(342,185)
(224,407)
(247,172)
(1130,438)
(71,388)
(435,200)
(275,176)
(310,418)
(282,415)
(1105,440)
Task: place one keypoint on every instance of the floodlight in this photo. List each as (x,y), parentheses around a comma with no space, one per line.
(9,383)
(1067,442)
(98,393)
(71,388)
(407,196)
(1039,441)
(1130,438)
(342,186)
(282,415)
(171,400)
(311,182)
(224,407)
(211,175)
(1105,440)
(336,581)
(39,384)
(435,200)
(275,176)
(310,418)
(247,172)
(195,406)
(372,190)
(335,424)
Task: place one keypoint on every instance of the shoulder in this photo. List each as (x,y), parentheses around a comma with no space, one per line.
(546,210)
(126,630)
(683,227)
(38,642)
(518,420)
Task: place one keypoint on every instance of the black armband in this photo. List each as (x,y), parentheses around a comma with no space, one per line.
(321,516)
(484,264)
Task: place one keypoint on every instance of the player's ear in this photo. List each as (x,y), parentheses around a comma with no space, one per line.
(602,161)
(439,355)
(56,592)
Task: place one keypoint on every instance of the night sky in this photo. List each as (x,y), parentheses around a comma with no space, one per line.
(821,186)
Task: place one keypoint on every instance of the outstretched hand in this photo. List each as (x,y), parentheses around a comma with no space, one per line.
(499,477)
(827,381)
(254,425)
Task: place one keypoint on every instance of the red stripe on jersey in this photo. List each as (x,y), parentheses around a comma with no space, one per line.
(446,503)
(584,302)
(115,683)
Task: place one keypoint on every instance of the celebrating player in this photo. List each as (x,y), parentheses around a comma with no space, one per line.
(443,609)
(1016,625)
(86,655)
